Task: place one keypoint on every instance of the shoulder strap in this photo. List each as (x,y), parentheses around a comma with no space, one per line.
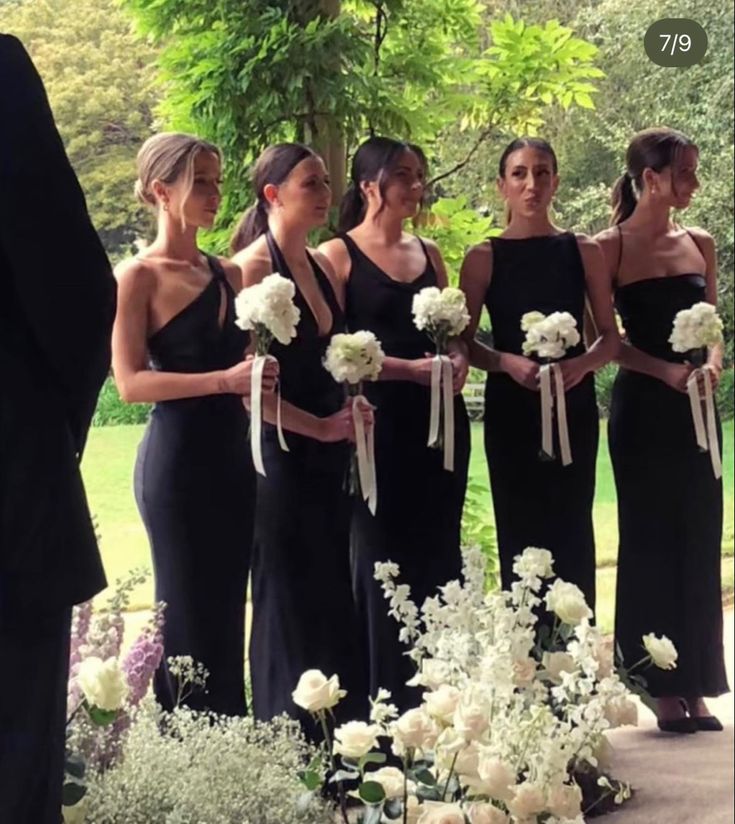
(218,271)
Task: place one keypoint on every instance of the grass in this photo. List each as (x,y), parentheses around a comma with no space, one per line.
(108,474)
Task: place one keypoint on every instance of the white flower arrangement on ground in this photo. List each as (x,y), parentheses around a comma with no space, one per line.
(696,328)
(352,359)
(511,729)
(268,309)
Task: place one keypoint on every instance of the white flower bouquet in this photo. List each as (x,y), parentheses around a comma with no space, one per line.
(352,359)
(694,330)
(268,310)
(442,314)
(549,337)
(511,728)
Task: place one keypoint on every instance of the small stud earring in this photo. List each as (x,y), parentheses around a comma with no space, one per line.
(165,206)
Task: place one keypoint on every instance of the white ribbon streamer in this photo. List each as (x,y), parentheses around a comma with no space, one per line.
(547,372)
(705,426)
(442,405)
(256,414)
(365,443)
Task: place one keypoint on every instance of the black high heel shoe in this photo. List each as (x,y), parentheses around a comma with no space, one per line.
(704,723)
(685,725)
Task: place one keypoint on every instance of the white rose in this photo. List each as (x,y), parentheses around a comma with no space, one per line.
(621,712)
(661,650)
(463,758)
(434,672)
(76,813)
(414,809)
(564,800)
(355,739)
(528,800)
(486,814)
(415,730)
(102,683)
(497,778)
(437,812)
(391,779)
(442,703)
(524,671)
(555,663)
(603,753)
(534,563)
(530,319)
(567,602)
(603,652)
(470,719)
(316,692)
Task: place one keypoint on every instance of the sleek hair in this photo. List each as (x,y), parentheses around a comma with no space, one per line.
(537,143)
(656,149)
(374,160)
(273,166)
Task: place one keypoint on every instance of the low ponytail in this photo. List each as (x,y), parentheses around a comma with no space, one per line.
(351,209)
(623,199)
(251,226)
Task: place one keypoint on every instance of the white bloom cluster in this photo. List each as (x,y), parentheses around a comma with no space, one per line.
(696,327)
(503,723)
(186,766)
(549,336)
(441,312)
(102,683)
(355,357)
(268,309)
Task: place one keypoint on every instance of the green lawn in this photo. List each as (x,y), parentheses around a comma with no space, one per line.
(108,473)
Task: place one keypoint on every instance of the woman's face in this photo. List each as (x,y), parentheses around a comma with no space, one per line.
(199,207)
(676,184)
(403,187)
(530,183)
(304,196)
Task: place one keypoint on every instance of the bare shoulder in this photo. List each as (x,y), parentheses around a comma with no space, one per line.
(136,273)
(479,257)
(232,272)
(702,236)
(254,262)
(324,262)
(589,247)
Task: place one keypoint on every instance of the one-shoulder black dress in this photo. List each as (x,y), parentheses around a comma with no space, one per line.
(195,489)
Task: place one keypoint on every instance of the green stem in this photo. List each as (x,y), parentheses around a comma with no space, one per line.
(333,765)
(449,777)
(406,768)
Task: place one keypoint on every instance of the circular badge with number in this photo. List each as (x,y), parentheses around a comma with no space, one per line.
(675,41)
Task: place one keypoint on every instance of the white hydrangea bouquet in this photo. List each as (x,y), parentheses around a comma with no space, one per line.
(352,359)
(549,337)
(268,310)
(695,329)
(511,728)
(442,314)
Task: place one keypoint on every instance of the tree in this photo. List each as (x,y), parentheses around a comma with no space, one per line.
(99,77)
(248,75)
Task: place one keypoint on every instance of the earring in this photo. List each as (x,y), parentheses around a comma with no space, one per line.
(165,206)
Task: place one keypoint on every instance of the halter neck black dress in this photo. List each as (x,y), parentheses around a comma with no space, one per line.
(195,489)
(669,503)
(539,503)
(418,519)
(303,610)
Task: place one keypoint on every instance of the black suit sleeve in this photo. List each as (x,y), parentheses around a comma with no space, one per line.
(56,265)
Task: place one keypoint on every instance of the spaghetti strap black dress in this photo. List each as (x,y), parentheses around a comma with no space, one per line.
(195,489)
(419,514)
(303,609)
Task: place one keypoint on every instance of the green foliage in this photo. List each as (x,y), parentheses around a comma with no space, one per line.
(249,75)
(98,75)
(112,411)
(478,528)
(604,380)
(725,395)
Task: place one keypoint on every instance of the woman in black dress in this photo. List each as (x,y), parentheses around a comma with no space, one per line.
(669,501)
(418,518)
(175,343)
(535,266)
(303,610)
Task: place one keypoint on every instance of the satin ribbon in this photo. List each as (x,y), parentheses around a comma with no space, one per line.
(547,373)
(256,414)
(442,407)
(365,444)
(705,426)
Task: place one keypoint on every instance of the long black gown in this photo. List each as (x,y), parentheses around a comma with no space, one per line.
(303,610)
(669,504)
(539,503)
(418,518)
(195,488)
